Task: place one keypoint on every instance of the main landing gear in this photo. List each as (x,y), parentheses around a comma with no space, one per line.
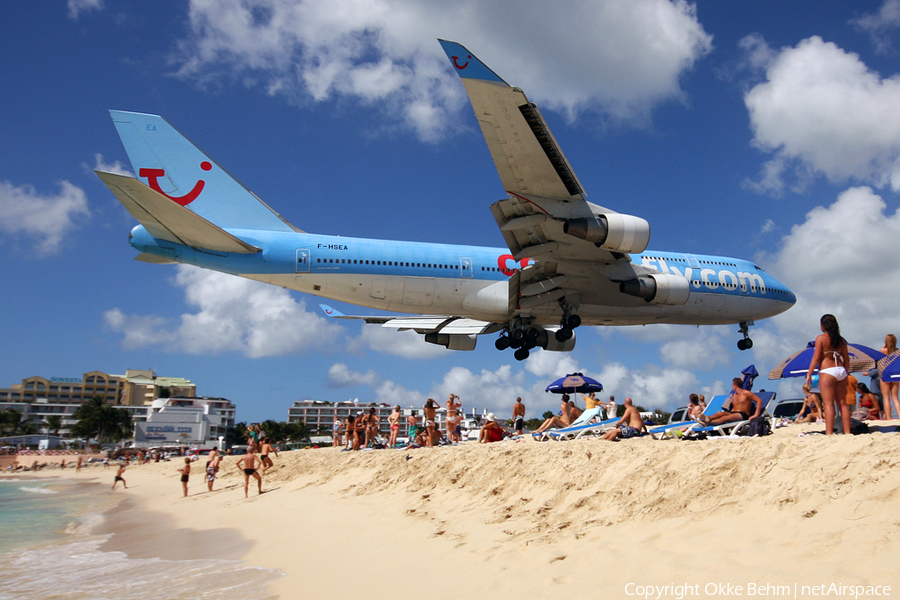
(746,343)
(523,337)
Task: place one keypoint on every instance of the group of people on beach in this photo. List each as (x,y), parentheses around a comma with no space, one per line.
(362,430)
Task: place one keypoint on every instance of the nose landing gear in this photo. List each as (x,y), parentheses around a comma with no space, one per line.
(746,343)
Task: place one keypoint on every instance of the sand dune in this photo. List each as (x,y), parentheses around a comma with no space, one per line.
(586,517)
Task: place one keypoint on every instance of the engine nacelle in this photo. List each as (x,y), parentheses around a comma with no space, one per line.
(554,345)
(658,288)
(489,303)
(452,341)
(615,232)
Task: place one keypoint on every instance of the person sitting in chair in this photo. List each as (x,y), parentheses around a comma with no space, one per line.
(741,406)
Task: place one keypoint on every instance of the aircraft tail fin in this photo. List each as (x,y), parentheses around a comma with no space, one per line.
(166,220)
(174,167)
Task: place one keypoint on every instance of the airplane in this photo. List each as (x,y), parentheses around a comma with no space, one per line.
(568,262)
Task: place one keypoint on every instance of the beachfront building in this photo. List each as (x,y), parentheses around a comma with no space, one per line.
(319,415)
(38,397)
(185,422)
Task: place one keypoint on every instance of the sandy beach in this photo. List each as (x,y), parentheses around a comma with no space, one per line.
(530,519)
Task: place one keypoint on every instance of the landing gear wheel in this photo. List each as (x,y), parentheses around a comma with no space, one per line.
(573,321)
(745,344)
(502,343)
(517,337)
(531,334)
(522,353)
(563,335)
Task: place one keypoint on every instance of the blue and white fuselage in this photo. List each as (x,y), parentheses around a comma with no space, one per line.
(418,277)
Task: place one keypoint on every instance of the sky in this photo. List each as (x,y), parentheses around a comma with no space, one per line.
(761,130)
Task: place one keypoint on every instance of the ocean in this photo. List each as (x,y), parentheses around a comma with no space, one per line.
(48,550)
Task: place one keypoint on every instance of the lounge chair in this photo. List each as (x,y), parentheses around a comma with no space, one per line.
(581,420)
(734,429)
(713,406)
(576,431)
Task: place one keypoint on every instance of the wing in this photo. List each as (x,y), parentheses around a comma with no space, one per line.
(421,323)
(546,217)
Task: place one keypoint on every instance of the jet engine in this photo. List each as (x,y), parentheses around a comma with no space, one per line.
(615,232)
(452,341)
(658,288)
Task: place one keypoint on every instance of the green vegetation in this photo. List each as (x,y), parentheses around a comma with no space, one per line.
(102,422)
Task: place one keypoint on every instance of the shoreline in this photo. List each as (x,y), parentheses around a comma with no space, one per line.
(525,518)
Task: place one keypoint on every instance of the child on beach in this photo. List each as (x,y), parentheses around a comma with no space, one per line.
(185,474)
(119,478)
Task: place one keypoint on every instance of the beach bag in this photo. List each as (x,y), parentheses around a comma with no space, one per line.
(759,426)
(858,427)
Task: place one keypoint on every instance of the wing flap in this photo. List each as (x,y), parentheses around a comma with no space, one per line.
(166,220)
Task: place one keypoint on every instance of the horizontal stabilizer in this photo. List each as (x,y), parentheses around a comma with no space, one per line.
(154,259)
(166,220)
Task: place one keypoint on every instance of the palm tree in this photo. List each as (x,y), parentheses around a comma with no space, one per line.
(99,420)
(53,423)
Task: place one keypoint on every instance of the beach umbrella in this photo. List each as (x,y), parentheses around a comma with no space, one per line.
(576,382)
(889,366)
(750,373)
(862,358)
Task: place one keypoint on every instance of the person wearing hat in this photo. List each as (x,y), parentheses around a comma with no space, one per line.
(491,430)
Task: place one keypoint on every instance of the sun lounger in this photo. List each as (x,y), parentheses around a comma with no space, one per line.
(586,416)
(733,429)
(576,431)
(713,406)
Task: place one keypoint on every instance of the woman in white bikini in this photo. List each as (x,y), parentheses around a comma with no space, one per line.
(832,360)
(889,388)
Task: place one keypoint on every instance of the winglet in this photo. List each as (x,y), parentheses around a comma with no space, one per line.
(466,64)
(331,312)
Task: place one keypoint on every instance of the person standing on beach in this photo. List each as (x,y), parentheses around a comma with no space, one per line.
(832,359)
(212,468)
(78,465)
(185,474)
(518,416)
(371,428)
(119,478)
(430,410)
(249,463)
(394,422)
(610,408)
(264,450)
(889,388)
(336,433)
(453,418)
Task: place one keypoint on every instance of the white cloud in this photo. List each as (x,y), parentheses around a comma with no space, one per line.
(768,226)
(822,111)
(393,394)
(624,56)
(76,7)
(840,260)
(880,25)
(234,314)
(116,167)
(340,376)
(45,219)
(551,365)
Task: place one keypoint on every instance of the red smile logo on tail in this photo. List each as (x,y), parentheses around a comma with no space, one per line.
(153,174)
(456,64)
